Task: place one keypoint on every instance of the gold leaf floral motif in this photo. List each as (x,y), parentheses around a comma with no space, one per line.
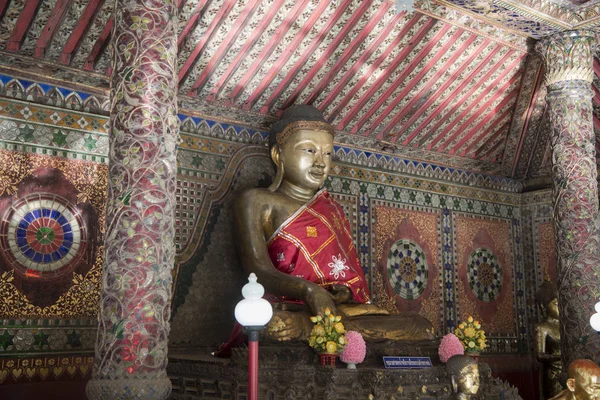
(81,300)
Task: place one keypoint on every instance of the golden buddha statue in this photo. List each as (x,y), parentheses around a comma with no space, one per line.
(583,382)
(296,238)
(464,376)
(547,340)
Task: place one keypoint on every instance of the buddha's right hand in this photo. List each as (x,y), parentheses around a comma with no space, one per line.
(319,299)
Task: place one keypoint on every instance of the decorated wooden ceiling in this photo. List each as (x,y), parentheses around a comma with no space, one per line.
(451,82)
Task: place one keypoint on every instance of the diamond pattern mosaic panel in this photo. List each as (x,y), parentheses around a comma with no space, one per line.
(407,269)
(485,274)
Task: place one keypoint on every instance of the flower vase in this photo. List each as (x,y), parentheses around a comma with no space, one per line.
(328,359)
(351,365)
(473,354)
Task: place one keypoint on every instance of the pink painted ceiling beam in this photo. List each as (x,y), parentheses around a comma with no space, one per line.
(22,26)
(3,7)
(382,78)
(478,110)
(400,78)
(337,40)
(596,123)
(99,46)
(530,108)
(361,61)
(54,21)
(432,81)
(347,27)
(470,78)
(205,38)
(492,155)
(85,21)
(475,132)
(464,98)
(375,65)
(278,35)
(289,50)
(491,139)
(238,26)
(440,91)
(192,22)
(596,93)
(596,67)
(489,134)
(348,52)
(409,86)
(234,65)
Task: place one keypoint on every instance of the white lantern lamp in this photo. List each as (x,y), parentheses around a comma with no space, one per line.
(595,318)
(253,313)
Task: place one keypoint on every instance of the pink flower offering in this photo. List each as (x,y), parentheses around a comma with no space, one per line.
(355,349)
(450,346)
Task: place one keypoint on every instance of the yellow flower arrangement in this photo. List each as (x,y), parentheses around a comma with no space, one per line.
(327,336)
(471,335)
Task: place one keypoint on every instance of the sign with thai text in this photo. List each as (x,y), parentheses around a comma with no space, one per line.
(407,362)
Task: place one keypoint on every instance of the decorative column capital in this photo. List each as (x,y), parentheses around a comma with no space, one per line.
(569,56)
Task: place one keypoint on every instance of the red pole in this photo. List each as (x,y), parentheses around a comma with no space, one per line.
(253,370)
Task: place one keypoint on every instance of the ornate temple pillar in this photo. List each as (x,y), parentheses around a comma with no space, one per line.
(131,347)
(569,72)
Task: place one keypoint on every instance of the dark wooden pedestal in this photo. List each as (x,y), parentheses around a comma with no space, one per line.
(293,372)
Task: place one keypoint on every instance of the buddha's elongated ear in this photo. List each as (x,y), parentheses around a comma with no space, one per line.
(276,157)
(454,384)
(571,384)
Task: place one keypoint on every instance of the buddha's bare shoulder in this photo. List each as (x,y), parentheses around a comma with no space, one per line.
(254,195)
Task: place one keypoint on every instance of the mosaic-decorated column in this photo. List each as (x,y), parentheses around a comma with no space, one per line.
(569,73)
(131,348)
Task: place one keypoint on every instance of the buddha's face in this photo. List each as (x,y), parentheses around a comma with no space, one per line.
(552,309)
(306,158)
(586,385)
(468,381)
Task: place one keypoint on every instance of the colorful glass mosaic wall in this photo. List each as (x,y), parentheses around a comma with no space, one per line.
(434,240)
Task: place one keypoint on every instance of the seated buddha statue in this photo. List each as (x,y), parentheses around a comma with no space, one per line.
(583,381)
(547,340)
(463,372)
(296,238)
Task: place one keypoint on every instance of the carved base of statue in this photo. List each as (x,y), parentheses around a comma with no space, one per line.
(292,371)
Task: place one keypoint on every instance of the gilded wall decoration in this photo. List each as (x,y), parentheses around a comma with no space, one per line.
(406,260)
(215,160)
(39,369)
(484,247)
(51,230)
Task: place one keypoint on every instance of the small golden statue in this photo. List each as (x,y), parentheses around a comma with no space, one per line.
(583,382)
(547,340)
(296,238)
(464,376)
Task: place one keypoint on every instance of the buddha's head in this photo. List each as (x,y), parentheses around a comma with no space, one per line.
(301,148)
(547,297)
(464,374)
(584,379)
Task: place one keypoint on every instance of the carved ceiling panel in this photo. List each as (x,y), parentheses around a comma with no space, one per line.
(451,83)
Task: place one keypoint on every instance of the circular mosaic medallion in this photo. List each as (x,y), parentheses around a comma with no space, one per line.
(43,235)
(407,269)
(485,274)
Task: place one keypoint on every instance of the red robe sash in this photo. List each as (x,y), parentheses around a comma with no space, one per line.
(315,244)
